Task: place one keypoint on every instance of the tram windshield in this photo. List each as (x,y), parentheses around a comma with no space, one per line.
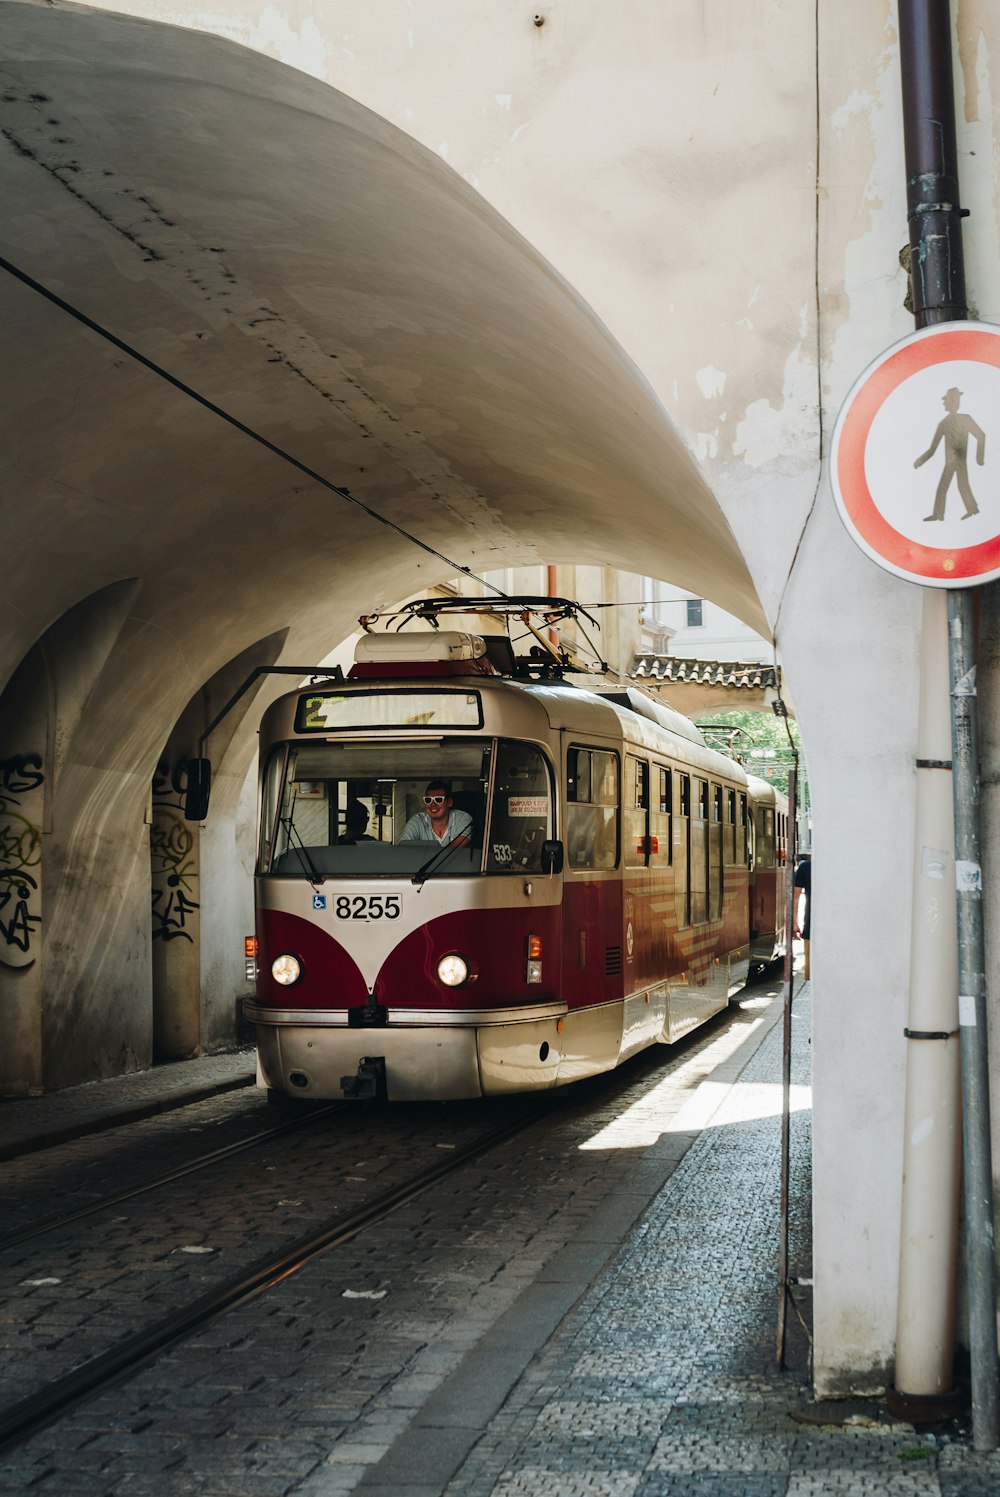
(441,806)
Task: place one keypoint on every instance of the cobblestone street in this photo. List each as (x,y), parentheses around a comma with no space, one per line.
(587,1309)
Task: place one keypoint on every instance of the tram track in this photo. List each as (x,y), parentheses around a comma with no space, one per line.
(60,1396)
(168,1177)
(71,1131)
(115,1364)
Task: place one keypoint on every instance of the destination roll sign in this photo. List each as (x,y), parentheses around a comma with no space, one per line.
(915,461)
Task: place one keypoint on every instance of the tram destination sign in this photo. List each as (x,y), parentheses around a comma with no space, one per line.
(329,711)
(915,460)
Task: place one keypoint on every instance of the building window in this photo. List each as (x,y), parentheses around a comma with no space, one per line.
(694,617)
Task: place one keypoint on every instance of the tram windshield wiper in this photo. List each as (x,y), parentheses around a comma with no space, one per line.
(312,872)
(439,852)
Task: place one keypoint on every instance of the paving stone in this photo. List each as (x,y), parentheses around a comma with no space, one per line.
(648,1244)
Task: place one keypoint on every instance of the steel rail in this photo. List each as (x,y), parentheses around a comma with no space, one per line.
(106,1203)
(31,1414)
(70,1131)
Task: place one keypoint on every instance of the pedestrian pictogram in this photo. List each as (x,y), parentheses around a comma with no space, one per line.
(915,461)
(954,431)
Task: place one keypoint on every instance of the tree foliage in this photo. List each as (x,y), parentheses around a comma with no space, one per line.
(740,734)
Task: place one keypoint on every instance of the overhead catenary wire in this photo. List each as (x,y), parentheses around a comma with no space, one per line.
(234,421)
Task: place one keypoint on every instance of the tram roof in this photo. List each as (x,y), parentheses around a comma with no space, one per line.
(590,707)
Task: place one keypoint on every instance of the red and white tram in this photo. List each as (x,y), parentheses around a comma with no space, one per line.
(593,898)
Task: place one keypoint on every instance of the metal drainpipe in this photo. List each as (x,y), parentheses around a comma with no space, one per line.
(925,1323)
(924,1340)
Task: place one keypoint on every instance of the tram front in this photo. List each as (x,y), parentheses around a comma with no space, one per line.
(408,885)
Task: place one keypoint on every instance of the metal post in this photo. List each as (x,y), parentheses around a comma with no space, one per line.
(976,1150)
(786,1060)
(938,287)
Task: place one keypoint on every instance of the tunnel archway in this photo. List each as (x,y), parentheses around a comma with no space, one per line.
(276,361)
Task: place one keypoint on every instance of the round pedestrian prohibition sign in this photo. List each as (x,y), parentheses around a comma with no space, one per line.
(915,461)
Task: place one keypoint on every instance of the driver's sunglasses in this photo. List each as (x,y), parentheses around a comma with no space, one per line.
(433,800)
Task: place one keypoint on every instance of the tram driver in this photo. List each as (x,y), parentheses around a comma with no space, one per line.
(439,821)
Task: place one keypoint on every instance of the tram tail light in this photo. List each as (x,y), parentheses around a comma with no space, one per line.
(534,973)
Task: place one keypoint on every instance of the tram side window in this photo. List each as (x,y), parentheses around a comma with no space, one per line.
(592,808)
(699,854)
(636,813)
(715,874)
(519,822)
(661,847)
(682,851)
(270,797)
(765,842)
(729,835)
(741,829)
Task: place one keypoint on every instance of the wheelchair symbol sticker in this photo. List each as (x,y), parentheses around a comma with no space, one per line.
(319,901)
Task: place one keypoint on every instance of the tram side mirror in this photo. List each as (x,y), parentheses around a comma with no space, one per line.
(199,783)
(552,857)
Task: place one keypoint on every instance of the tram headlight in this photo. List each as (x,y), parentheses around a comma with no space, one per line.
(453,970)
(286,969)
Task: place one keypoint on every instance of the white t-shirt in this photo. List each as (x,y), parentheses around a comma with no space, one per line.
(420,829)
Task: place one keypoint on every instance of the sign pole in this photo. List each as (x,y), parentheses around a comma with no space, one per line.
(976,1146)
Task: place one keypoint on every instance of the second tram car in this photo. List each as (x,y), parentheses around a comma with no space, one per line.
(588,896)
(769,852)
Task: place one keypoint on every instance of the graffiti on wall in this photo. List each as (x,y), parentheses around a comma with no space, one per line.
(174,860)
(21,782)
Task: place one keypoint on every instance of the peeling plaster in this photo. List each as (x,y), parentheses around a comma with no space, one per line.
(768,433)
(711,381)
(304,48)
(857,106)
(869,272)
(973,53)
(977,143)
(705,445)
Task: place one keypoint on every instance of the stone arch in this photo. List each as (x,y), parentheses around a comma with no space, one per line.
(194,867)
(40,710)
(403,368)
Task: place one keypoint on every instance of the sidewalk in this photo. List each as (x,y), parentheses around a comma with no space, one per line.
(662,1380)
(31,1123)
